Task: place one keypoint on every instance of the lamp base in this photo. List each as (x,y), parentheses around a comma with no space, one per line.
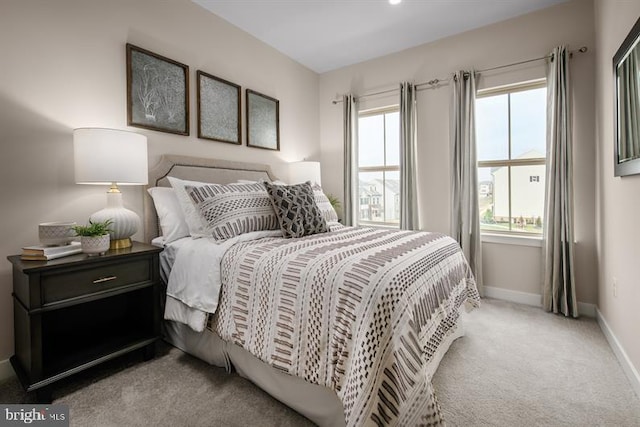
(121,243)
(124,223)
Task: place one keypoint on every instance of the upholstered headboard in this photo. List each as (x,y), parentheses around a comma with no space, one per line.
(196,169)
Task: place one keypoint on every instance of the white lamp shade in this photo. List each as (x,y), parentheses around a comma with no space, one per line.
(304,171)
(105,156)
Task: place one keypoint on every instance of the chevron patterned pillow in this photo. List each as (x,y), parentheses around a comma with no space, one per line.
(296,209)
(234,209)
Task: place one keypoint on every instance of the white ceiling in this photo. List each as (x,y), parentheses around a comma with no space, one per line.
(328,34)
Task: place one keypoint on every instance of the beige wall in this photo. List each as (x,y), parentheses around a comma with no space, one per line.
(618,198)
(63,66)
(518,39)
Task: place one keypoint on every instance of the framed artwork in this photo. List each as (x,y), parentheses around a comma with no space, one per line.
(157,92)
(218,109)
(263,121)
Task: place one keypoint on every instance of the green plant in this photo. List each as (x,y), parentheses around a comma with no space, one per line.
(93,229)
(488,215)
(335,202)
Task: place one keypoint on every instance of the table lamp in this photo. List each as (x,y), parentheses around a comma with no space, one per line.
(112,157)
(304,171)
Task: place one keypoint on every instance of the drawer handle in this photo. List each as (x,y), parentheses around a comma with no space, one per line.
(105,279)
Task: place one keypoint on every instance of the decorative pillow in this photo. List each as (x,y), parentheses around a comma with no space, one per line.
(234,209)
(170,215)
(296,209)
(191,216)
(325,206)
(248,181)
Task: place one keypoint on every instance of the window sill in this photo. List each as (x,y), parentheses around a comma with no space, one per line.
(506,239)
(386,225)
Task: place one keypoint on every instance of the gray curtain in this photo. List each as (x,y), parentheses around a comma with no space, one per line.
(629,107)
(409,219)
(559,293)
(350,123)
(465,219)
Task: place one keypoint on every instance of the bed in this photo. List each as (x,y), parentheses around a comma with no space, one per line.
(346,327)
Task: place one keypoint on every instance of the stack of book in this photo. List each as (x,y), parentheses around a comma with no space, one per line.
(45,253)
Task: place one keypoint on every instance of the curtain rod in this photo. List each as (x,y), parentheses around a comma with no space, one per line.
(434,82)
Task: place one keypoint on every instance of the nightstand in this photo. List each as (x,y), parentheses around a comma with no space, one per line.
(75,312)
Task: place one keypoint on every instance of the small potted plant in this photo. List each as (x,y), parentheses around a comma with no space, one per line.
(94,238)
(335,202)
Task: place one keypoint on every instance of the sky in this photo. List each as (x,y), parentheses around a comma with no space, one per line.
(371,150)
(528,126)
(528,130)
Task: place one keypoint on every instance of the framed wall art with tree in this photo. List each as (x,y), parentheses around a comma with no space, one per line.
(157,92)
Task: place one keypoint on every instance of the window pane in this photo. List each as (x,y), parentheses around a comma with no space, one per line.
(527,198)
(392,132)
(492,127)
(371,141)
(528,123)
(370,192)
(392,197)
(491,181)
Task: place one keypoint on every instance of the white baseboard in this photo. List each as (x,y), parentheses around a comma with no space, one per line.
(6,370)
(586,309)
(513,296)
(535,300)
(628,368)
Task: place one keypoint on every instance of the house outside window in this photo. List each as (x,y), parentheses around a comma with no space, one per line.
(511,147)
(379,167)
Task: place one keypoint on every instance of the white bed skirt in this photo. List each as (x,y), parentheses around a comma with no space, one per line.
(318,403)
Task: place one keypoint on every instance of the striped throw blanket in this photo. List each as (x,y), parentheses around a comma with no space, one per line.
(359,310)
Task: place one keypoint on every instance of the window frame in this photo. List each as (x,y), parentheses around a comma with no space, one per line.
(384,168)
(537,161)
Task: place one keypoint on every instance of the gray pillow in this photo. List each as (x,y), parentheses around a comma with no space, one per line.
(296,209)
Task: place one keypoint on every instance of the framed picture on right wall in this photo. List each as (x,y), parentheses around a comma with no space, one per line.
(263,121)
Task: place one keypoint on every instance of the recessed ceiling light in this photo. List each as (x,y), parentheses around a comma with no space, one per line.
(394,1)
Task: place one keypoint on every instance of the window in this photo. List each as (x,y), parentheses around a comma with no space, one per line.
(511,143)
(379,167)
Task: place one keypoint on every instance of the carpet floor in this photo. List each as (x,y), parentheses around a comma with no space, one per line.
(516,366)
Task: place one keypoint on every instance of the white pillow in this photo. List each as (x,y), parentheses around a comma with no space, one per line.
(169,213)
(325,206)
(195,224)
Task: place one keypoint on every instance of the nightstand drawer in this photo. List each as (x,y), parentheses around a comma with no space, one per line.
(62,286)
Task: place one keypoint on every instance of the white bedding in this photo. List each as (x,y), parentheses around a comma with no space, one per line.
(193,286)
(168,255)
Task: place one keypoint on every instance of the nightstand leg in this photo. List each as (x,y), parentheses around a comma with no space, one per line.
(149,352)
(44,394)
